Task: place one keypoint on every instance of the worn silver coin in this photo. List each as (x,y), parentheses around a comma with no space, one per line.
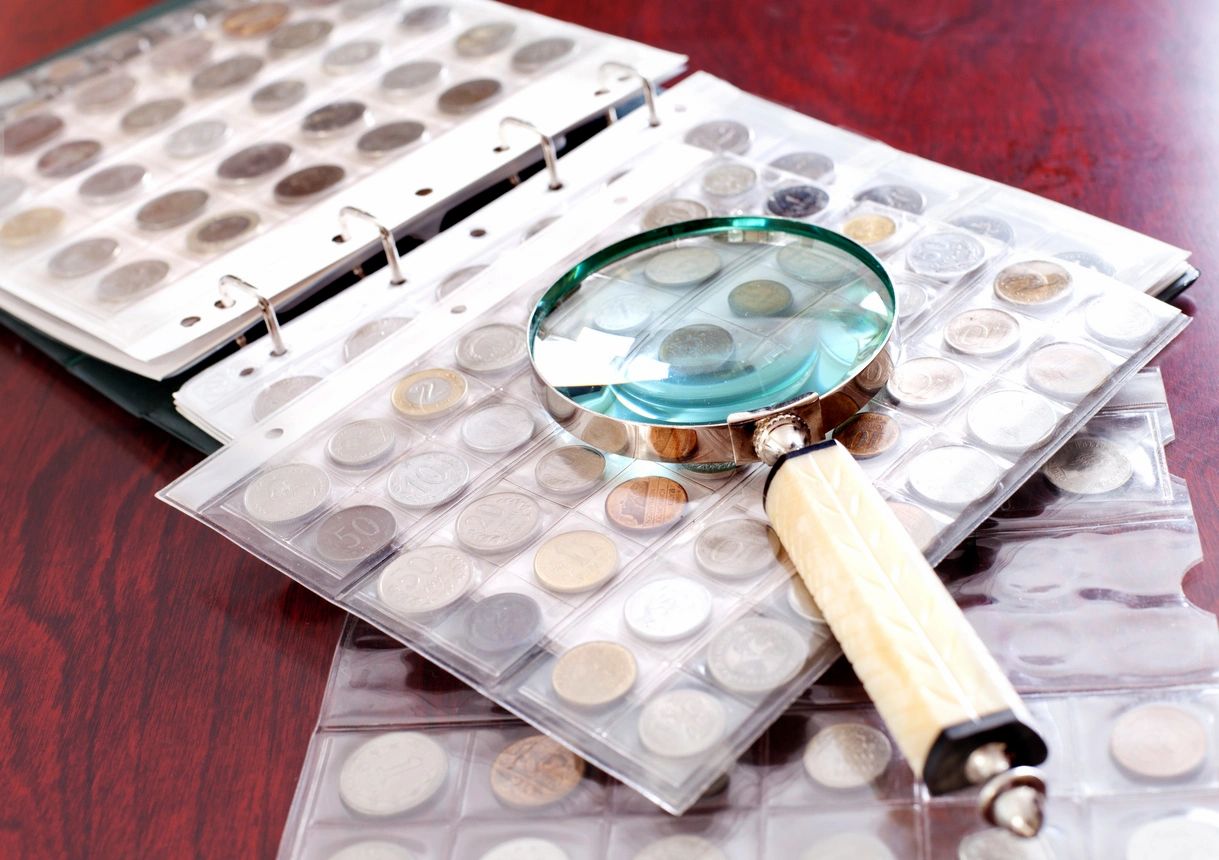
(424,580)
(1088,466)
(11,189)
(393,773)
(926,383)
(984,332)
(335,118)
(682,723)
(1089,260)
(351,56)
(172,209)
(133,279)
(811,165)
(737,548)
(197,138)
(498,428)
(469,96)
(67,158)
(503,622)
(370,334)
(112,183)
(995,843)
(389,138)
(483,40)
(492,348)
(626,311)
(151,115)
(668,609)
(681,846)
(1179,837)
(682,267)
(673,212)
(1160,741)
(280,393)
(425,19)
(945,254)
(83,258)
(456,279)
(570,470)
(254,162)
(953,476)
(1011,420)
(721,135)
(756,655)
(535,56)
(222,231)
(798,201)
(729,180)
(286,493)
(895,196)
(30,132)
(498,523)
(986,225)
(359,444)
(1119,320)
(350,535)
(299,36)
(105,93)
(847,755)
(1067,370)
(182,55)
(405,80)
(226,75)
(813,266)
(427,480)
(696,349)
(278,95)
(308,183)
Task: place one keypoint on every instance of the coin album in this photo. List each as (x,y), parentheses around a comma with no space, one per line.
(219,141)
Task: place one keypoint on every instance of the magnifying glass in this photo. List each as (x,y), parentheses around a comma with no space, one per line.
(724,341)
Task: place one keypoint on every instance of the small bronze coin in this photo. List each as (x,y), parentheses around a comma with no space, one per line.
(646,503)
(226,74)
(254,161)
(309,182)
(1037,282)
(30,132)
(68,158)
(254,20)
(535,772)
(278,95)
(672,444)
(334,118)
(151,115)
(172,209)
(760,298)
(469,96)
(696,349)
(389,137)
(868,434)
(594,674)
(223,231)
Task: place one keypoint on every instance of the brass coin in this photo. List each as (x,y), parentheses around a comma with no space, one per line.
(535,772)
(594,674)
(647,503)
(1038,282)
(868,434)
(575,561)
(469,96)
(869,229)
(257,19)
(760,298)
(31,226)
(308,183)
(30,132)
(428,393)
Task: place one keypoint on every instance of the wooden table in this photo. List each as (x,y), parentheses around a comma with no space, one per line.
(159,685)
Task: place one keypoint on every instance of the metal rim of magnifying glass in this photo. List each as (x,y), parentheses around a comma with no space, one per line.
(728,443)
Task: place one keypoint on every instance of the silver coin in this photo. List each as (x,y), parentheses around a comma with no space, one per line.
(682,723)
(308,183)
(984,332)
(995,843)
(497,429)
(425,19)
(673,212)
(847,755)
(682,846)
(894,196)
(172,209)
(798,201)
(182,55)
(335,118)
(1088,466)
(286,493)
(30,132)
(945,254)
(299,36)
(625,311)
(498,523)
(373,850)
(11,189)
(1012,421)
(352,9)
(370,334)
(359,444)
(1160,741)
(811,165)
(526,848)
(986,225)
(813,265)
(1067,370)
(225,75)
(427,480)
(953,476)
(848,846)
(127,282)
(756,655)
(537,55)
(349,57)
(570,470)
(666,610)
(1089,260)
(112,183)
(1179,837)
(737,548)
(223,231)
(254,162)
(280,393)
(83,258)
(151,115)
(911,298)
(408,78)
(425,580)
(353,534)
(483,40)
(503,622)
(1119,321)
(197,138)
(926,383)
(105,93)
(696,349)
(682,267)
(456,279)
(393,773)
(68,158)
(492,348)
(802,602)
(278,95)
(721,135)
(729,180)
(469,96)
(389,137)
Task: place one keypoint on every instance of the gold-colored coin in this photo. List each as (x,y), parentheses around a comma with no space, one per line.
(575,561)
(1037,282)
(535,772)
(429,393)
(644,504)
(257,19)
(673,444)
(31,226)
(868,434)
(869,229)
(594,674)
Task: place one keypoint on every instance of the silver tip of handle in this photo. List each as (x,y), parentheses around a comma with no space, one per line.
(1015,801)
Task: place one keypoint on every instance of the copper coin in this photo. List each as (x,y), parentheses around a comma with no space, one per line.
(1037,282)
(31,226)
(647,503)
(256,19)
(868,434)
(68,158)
(308,183)
(226,74)
(760,298)
(254,161)
(172,209)
(673,444)
(30,132)
(469,96)
(535,772)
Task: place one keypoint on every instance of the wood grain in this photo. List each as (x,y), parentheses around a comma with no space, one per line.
(158,686)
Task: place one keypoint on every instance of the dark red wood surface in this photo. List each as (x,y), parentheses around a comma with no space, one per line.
(158,686)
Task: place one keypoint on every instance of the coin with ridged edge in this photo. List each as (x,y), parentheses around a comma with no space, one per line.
(721,135)
(498,523)
(359,444)
(646,503)
(681,846)
(868,434)
(983,332)
(492,348)
(112,183)
(83,257)
(756,655)
(428,393)
(424,580)
(667,610)
(594,674)
(953,476)
(575,562)
(682,267)
(1088,466)
(926,383)
(370,334)
(483,40)
(535,772)
(497,428)
(673,212)
(847,755)
(30,132)
(469,96)
(131,280)
(1036,282)
(393,773)
(570,470)
(682,723)
(350,535)
(281,392)
(1067,370)
(428,479)
(737,548)
(286,493)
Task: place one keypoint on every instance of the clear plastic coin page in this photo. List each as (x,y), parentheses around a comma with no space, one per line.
(219,150)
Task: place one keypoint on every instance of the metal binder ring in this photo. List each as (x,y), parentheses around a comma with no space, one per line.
(264,307)
(649,88)
(548,151)
(387,240)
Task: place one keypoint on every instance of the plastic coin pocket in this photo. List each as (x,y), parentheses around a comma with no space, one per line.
(953,832)
(949,474)
(1141,828)
(917,186)
(567,471)
(876,832)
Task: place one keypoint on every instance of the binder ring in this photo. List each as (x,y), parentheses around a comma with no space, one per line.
(387,240)
(649,88)
(547,143)
(264,307)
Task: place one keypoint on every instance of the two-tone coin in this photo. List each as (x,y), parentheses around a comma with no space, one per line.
(668,609)
(945,254)
(278,95)
(576,561)
(223,231)
(503,623)
(254,162)
(390,137)
(682,723)
(393,773)
(895,196)
(469,96)
(1011,420)
(425,580)
(682,267)
(1067,370)
(755,655)
(132,280)
(1159,741)
(226,75)
(535,772)
(30,132)
(151,115)
(537,55)
(953,476)
(646,503)
(492,348)
(696,349)
(498,428)
(729,180)
(350,535)
(361,443)
(370,334)
(868,434)
(869,230)
(673,211)
(929,382)
(737,548)
(483,40)
(68,158)
(83,258)
(760,297)
(721,135)
(570,470)
(1088,466)
(498,523)
(428,480)
(308,183)
(286,493)
(429,393)
(594,674)
(846,756)
(197,138)
(798,201)
(811,165)
(982,332)
(31,226)
(281,392)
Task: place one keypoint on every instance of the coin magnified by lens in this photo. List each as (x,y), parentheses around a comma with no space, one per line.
(696,349)
(813,266)
(682,267)
(760,298)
